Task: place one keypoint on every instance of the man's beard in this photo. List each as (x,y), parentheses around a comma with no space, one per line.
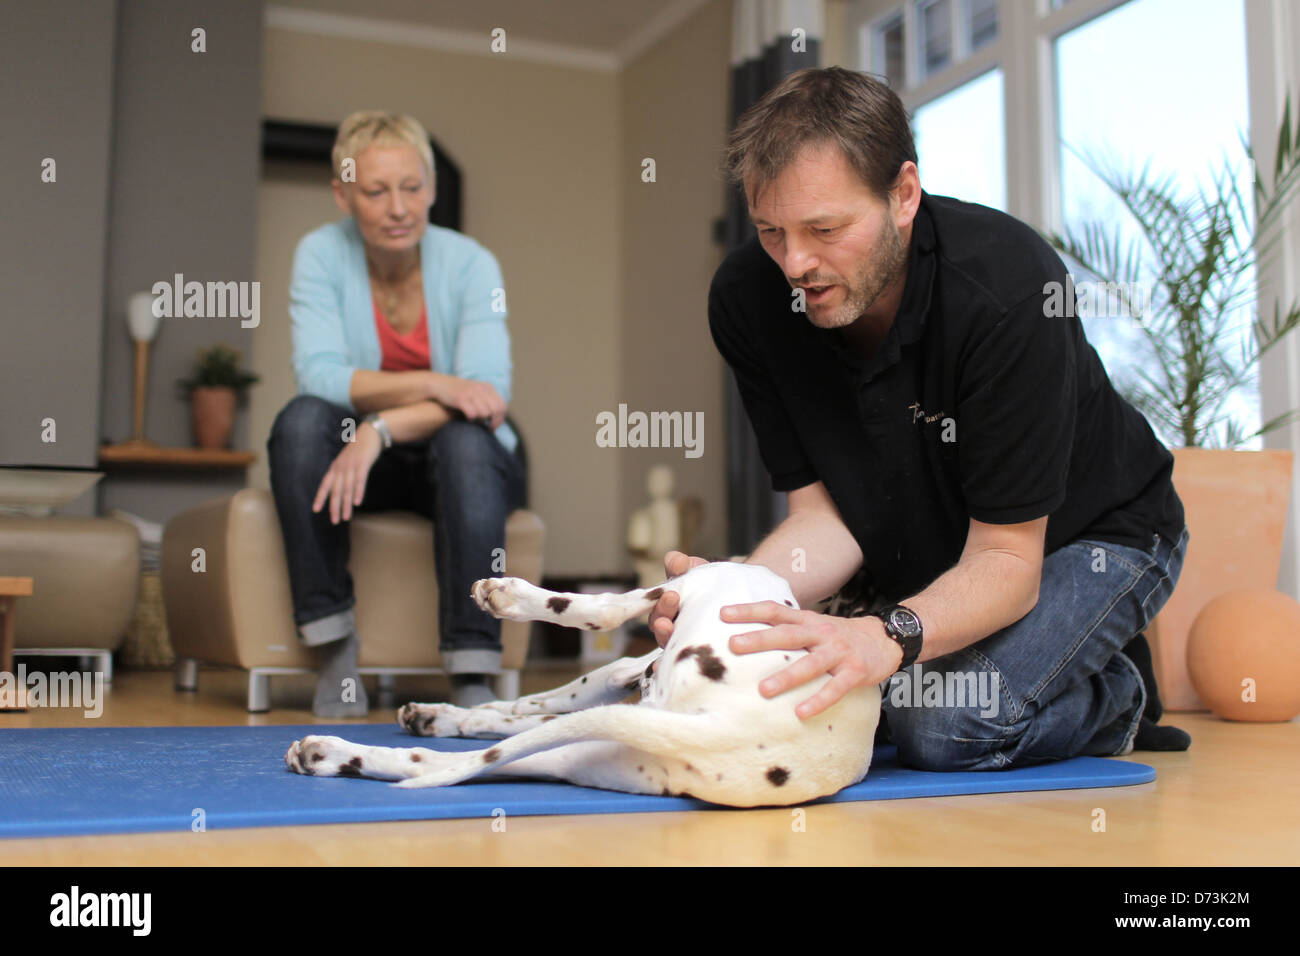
(877,274)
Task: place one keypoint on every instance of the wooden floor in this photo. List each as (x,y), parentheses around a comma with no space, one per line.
(1231,799)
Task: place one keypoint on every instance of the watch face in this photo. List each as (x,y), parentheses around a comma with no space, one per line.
(905,622)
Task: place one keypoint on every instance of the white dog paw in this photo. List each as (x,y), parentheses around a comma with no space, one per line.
(431,720)
(502,597)
(324,757)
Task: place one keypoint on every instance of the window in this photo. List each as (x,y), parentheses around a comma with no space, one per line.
(1164,108)
(960,143)
(934,36)
(942,34)
(980,22)
(888,55)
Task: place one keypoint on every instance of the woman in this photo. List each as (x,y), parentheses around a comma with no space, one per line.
(402,359)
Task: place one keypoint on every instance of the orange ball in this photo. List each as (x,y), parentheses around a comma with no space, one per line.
(1246,644)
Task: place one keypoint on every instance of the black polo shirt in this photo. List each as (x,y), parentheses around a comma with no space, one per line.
(977,404)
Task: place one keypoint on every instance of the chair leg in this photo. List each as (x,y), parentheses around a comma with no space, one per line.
(387,685)
(259,692)
(507,685)
(187,673)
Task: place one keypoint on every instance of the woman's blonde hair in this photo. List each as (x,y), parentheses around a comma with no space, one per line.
(375,127)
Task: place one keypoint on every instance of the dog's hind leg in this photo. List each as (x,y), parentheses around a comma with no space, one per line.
(665,733)
(596,763)
(504,718)
(516,600)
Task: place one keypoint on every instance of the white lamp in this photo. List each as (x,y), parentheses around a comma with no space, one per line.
(142,321)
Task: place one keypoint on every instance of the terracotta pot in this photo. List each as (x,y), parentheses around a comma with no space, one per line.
(213,413)
(1236,506)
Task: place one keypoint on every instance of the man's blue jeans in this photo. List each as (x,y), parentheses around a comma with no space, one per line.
(1054,683)
(462,479)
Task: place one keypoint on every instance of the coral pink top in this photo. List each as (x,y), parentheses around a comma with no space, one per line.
(403,353)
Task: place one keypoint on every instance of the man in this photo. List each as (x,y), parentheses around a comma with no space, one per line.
(944,434)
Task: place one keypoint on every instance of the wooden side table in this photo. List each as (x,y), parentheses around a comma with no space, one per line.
(10,590)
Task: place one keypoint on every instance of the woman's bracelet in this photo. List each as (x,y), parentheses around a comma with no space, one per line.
(381,427)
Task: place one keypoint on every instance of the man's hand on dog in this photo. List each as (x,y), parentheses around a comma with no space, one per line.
(665,609)
(854,651)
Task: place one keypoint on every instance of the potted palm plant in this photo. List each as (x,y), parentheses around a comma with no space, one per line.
(1203,332)
(214,390)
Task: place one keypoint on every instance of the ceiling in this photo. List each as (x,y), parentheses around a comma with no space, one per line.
(618,28)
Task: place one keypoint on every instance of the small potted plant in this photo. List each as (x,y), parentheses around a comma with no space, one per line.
(214,390)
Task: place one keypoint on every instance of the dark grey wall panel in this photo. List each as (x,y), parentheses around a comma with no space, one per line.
(56,80)
(186,166)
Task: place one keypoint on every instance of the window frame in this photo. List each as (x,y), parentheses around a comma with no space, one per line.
(1023,50)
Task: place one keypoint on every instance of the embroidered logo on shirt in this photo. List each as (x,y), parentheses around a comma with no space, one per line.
(947,422)
(919,415)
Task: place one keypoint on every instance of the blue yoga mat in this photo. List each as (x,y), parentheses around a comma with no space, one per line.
(56,782)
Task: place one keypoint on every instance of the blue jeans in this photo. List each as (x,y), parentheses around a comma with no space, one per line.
(1051,686)
(461,478)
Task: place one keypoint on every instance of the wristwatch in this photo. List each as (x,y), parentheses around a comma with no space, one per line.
(904,627)
(378,424)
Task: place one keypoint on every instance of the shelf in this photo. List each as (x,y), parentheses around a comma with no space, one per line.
(145,454)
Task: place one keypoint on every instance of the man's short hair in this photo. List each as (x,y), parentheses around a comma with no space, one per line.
(854,111)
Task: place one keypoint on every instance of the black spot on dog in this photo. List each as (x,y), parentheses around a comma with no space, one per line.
(710,666)
(351,769)
(317,757)
(654,595)
(548,717)
(666,793)
(692,769)
(640,769)
(830,726)
(491,756)
(584,680)
(591,627)
(789,603)
(785,656)
(559,604)
(777,776)
(416,758)
(762,746)
(573,695)
(650,670)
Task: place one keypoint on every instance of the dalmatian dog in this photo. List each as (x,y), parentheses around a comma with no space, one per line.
(701,729)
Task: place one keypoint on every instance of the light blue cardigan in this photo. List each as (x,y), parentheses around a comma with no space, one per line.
(334,320)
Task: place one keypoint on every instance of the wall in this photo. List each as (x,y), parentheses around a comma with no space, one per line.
(539,149)
(56,64)
(674,100)
(185,144)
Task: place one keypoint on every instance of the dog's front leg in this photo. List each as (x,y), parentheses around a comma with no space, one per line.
(320,756)
(504,718)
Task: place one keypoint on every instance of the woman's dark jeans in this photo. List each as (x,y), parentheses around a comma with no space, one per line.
(462,479)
